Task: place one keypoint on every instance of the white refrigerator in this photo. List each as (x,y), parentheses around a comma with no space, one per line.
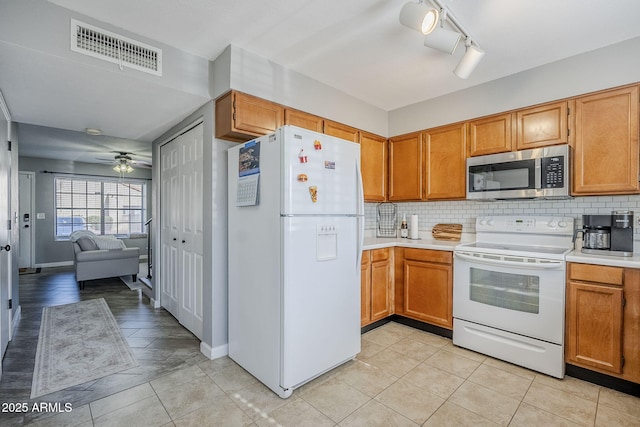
(296,223)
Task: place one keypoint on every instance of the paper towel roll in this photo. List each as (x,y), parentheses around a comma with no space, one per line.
(413,228)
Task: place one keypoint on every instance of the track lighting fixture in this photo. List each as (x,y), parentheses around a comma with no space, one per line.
(431,22)
(419,17)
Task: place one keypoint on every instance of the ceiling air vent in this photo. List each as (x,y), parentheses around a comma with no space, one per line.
(99,43)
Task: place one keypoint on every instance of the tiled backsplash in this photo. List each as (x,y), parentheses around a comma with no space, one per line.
(465,212)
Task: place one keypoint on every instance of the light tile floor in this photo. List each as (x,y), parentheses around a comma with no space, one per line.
(402,377)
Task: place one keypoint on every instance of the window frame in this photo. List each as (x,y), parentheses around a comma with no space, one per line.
(102,209)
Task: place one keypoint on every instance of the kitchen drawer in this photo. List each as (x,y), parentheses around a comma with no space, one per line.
(596,273)
(428,255)
(379,254)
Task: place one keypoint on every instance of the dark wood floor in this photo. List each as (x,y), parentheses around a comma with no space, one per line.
(158,341)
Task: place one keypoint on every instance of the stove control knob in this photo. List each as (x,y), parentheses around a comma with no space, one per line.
(551,224)
(489,222)
(482,221)
(562,224)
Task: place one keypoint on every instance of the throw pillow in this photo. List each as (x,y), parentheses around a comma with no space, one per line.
(87,244)
(109,242)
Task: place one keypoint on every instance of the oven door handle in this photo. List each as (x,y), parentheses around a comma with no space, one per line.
(551,265)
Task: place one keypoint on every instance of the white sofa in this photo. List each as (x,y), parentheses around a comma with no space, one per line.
(99,257)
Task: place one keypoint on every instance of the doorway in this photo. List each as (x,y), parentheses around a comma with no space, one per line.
(5,234)
(25,220)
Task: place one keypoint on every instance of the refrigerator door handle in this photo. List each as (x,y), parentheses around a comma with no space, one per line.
(360,213)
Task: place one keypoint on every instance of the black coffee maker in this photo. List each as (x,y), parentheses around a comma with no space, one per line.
(622,232)
(608,234)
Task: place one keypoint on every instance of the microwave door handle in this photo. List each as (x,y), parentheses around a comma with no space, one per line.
(552,265)
(538,174)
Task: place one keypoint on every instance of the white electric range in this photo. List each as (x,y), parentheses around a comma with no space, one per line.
(509,290)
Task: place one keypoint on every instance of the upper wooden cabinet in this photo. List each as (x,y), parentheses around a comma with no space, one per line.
(605,158)
(303,120)
(491,135)
(445,153)
(241,117)
(542,125)
(373,159)
(405,167)
(341,131)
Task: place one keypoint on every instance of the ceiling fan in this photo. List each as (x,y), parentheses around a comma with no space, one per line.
(124,162)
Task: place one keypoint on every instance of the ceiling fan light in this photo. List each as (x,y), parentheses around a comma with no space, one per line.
(443,40)
(129,169)
(93,131)
(469,62)
(419,17)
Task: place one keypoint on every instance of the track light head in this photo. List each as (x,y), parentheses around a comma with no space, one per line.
(419,17)
(469,61)
(443,40)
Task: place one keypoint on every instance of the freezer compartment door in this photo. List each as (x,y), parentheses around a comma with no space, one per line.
(321,296)
(321,173)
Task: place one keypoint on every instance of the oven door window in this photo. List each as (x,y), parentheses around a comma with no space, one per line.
(518,292)
(516,175)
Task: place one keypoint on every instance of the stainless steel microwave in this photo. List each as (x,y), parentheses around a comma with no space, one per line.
(527,174)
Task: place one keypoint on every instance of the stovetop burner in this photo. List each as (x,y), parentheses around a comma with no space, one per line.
(542,236)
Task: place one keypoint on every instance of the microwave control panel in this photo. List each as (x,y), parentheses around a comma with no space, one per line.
(553,172)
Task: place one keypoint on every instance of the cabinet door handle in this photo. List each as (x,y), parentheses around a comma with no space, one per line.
(174,239)
(184,241)
(5,248)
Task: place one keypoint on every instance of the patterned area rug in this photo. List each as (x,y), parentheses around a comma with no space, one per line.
(78,342)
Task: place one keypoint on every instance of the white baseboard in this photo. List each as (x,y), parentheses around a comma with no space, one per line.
(154,303)
(15,320)
(214,353)
(54,264)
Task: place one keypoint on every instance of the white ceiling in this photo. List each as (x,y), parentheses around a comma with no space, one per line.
(356,46)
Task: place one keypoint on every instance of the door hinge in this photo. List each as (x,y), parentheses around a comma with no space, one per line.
(624,302)
(8,145)
(8,224)
(568,111)
(10,304)
(621,361)
(568,132)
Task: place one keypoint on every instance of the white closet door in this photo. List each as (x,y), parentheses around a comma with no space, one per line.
(170,228)
(191,230)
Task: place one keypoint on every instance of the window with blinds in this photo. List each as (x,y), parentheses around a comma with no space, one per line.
(102,206)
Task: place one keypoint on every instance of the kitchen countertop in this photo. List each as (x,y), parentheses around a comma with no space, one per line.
(428,242)
(615,261)
(424,242)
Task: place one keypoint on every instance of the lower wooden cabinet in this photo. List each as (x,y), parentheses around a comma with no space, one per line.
(427,284)
(376,274)
(603,319)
